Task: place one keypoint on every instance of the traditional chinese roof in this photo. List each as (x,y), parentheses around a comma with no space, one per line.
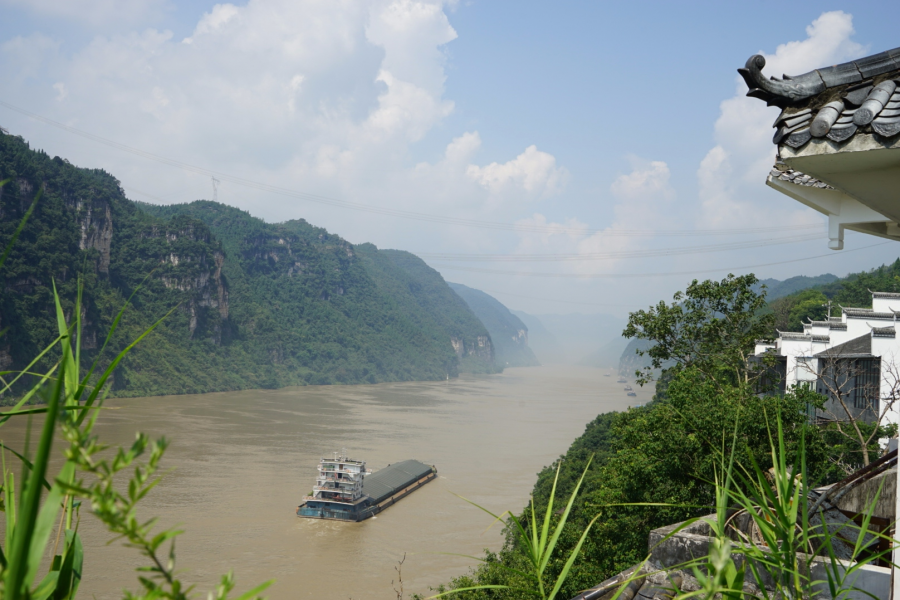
(793,336)
(785,173)
(890,295)
(821,339)
(833,102)
(887,332)
(861,346)
(867,313)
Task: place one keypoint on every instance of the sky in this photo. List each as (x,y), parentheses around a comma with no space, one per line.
(564,157)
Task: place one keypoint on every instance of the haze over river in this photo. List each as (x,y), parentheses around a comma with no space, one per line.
(240,463)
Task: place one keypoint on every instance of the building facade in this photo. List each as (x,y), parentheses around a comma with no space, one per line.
(853,360)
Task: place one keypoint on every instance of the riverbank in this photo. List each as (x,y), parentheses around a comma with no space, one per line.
(240,462)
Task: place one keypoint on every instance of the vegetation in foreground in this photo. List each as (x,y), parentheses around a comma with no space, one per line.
(71,402)
(660,464)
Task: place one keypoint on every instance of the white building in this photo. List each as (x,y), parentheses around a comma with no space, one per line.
(856,356)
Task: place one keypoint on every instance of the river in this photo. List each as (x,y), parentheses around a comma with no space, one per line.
(240,462)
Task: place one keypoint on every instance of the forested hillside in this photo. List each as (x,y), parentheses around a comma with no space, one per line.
(851,291)
(508,332)
(256,304)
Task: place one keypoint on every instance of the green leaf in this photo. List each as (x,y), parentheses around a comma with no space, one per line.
(44,524)
(19,567)
(255,591)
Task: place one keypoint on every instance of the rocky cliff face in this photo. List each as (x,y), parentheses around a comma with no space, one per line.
(480,347)
(95,222)
(249,304)
(508,332)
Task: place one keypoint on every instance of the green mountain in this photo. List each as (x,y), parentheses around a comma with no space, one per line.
(256,305)
(777,289)
(508,332)
(543,342)
(793,309)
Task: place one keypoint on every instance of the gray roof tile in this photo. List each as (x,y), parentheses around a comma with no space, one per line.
(867,313)
(884,332)
(857,346)
(790,90)
(863,95)
(794,336)
(784,173)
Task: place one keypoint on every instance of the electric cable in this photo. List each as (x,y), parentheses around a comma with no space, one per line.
(676,251)
(404,214)
(643,275)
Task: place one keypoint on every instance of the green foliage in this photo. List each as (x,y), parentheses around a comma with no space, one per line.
(792,311)
(538,540)
(845,453)
(780,513)
(851,291)
(667,453)
(712,326)
(257,305)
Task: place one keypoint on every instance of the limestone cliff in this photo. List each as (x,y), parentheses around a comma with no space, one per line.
(508,332)
(249,304)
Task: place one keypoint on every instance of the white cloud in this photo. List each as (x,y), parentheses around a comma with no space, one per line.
(647,181)
(93,12)
(643,197)
(533,171)
(325,97)
(744,151)
(61,91)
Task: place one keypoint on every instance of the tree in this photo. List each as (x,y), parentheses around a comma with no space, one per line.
(712,326)
(853,409)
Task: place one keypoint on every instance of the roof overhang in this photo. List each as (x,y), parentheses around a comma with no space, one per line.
(865,175)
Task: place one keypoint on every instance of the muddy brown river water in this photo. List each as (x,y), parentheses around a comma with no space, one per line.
(240,462)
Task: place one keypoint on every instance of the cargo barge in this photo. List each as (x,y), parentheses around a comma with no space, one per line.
(345,491)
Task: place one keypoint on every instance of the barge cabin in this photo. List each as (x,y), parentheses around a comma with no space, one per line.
(344,491)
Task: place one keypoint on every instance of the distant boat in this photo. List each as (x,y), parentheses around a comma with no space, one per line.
(632,394)
(606,374)
(627,388)
(621,380)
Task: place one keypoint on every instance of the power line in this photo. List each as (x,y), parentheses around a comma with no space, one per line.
(676,251)
(557,301)
(641,275)
(404,214)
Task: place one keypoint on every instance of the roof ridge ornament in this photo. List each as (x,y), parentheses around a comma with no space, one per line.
(779,92)
(793,88)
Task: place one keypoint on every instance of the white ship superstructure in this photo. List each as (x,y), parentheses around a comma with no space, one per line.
(340,479)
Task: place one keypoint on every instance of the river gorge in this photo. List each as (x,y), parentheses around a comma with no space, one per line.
(240,462)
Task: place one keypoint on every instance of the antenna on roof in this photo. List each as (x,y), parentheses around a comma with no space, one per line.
(215,184)
(828,304)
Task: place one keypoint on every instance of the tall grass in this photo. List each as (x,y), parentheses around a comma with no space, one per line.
(789,554)
(37,502)
(539,539)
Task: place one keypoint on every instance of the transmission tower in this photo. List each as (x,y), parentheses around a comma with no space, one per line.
(215,184)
